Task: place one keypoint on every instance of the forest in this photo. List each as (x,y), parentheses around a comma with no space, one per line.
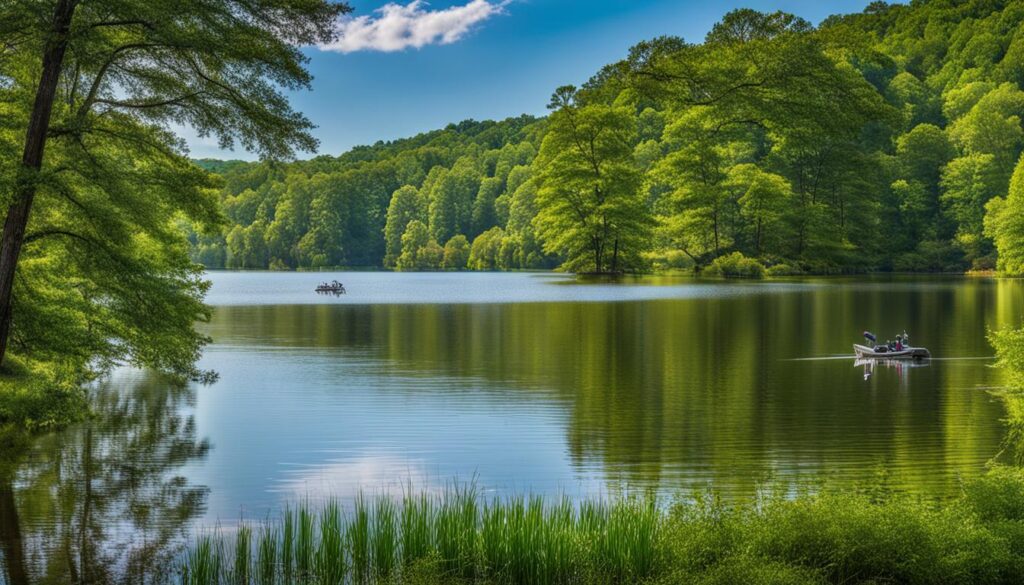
(884,140)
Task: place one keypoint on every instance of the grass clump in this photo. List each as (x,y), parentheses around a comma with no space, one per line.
(828,537)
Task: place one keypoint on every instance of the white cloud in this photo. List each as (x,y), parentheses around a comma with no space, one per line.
(395,27)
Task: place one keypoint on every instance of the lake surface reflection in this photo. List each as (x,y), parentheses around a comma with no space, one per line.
(524,382)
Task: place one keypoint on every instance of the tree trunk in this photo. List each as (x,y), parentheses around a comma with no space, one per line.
(757,239)
(615,256)
(714,220)
(31,162)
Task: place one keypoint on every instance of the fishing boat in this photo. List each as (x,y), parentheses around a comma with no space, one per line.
(334,287)
(883,352)
(890,351)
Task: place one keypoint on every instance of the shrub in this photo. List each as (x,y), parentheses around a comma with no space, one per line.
(669,260)
(734,265)
(783,270)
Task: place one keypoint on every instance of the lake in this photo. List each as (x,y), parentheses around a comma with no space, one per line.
(519,382)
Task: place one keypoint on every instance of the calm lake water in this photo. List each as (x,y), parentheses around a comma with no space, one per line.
(519,382)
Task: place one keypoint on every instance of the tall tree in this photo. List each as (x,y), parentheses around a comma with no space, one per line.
(1004,223)
(589,208)
(404,207)
(95,86)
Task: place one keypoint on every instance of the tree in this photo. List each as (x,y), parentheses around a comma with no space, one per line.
(486,250)
(1004,223)
(451,200)
(993,126)
(484,217)
(94,87)
(431,256)
(456,253)
(699,220)
(419,250)
(762,201)
(404,207)
(589,210)
(968,184)
(922,153)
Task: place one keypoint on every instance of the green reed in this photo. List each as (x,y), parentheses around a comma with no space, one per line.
(288,543)
(384,542)
(202,562)
(359,540)
(454,535)
(416,528)
(828,536)
(243,555)
(305,543)
(330,561)
(267,556)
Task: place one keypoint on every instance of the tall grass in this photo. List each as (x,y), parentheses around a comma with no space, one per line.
(451,536)
(459,536)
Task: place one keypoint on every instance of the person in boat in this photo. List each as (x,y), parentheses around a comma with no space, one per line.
(899,343)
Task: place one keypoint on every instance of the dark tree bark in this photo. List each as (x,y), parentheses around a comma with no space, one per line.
(31,162)
(615,257)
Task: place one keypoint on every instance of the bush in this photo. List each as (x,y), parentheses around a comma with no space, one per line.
(783,270)
(930,256)
(734,265)
(669,260)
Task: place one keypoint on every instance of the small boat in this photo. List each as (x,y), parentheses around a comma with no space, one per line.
(889,351)
(334,287)
(884,352)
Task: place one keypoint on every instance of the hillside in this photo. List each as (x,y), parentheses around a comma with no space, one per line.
(874,141)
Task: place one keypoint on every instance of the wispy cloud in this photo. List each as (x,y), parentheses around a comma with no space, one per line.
(395,27)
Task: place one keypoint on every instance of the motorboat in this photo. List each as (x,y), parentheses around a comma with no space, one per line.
(334,287)
(885,352)
(889,351)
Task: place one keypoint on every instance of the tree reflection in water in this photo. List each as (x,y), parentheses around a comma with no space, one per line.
(103,502)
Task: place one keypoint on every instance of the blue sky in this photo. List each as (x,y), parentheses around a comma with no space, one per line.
(482,59)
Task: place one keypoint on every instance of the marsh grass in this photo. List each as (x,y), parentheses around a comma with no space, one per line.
(454,536)
(243,555)
(458,536)
(267,555)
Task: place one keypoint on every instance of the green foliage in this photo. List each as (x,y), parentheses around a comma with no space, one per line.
(403,208)
(734,265)
(39,396)
(456,253)
(874,141)
(485,254)
(969,183)
(1004,223)
(782,270)
(104,276)
(829,536)
(419,250)
(589,209)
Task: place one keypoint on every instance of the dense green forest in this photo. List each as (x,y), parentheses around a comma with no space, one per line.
(884,140)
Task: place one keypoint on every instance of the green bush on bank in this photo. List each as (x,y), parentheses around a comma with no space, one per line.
(783,269)
(734,265)
(848,537)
